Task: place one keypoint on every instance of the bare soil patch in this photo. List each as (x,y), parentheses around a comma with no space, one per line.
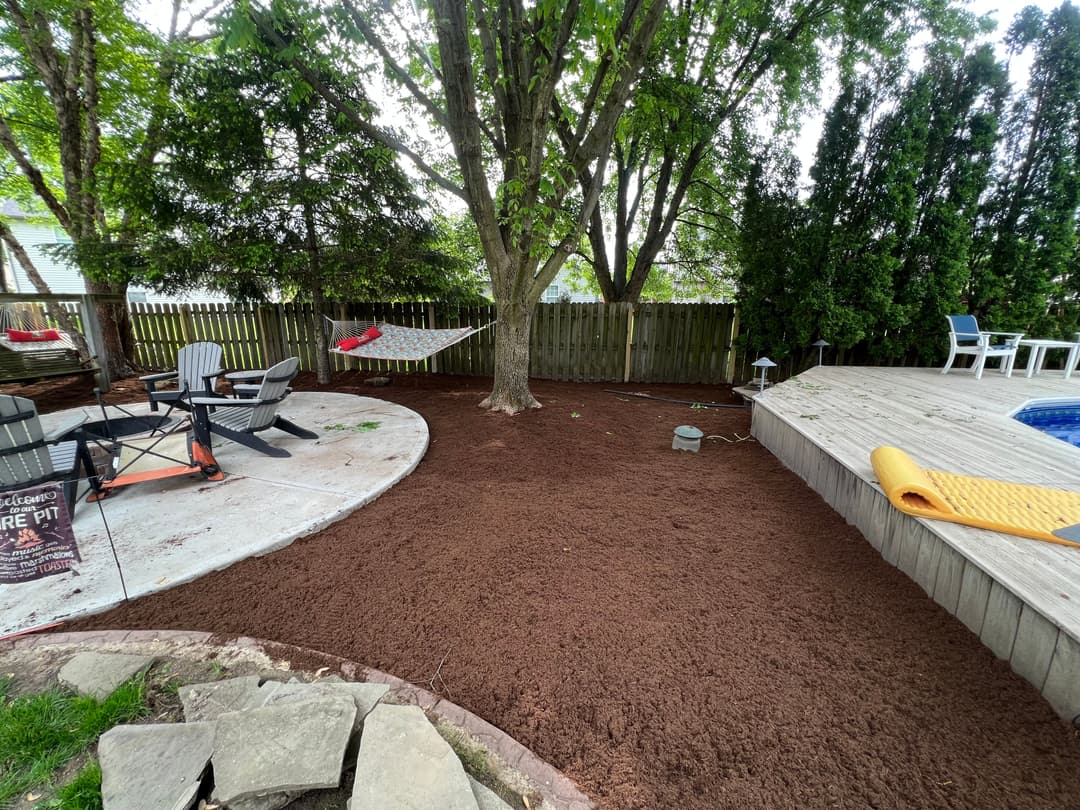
(671,629)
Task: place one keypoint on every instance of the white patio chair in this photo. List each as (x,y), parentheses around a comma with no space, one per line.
(965,337)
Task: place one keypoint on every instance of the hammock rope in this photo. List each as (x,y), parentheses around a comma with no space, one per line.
(401,343)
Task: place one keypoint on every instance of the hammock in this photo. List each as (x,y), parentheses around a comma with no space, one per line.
(397,342)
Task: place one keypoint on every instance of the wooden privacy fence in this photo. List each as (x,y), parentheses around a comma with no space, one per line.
(680,343)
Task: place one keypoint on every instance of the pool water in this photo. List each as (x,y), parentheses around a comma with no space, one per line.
(1059,419)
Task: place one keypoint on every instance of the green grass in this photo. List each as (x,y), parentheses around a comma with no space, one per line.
(39,733)
(362,427)
(81,793)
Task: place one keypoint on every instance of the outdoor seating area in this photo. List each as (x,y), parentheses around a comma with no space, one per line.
(177,528)
(965,338)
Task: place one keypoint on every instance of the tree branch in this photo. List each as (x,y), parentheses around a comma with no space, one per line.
(338,103)
(399,72)
(34,175)
(491,67)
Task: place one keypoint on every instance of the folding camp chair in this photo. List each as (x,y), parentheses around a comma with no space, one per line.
(169,449)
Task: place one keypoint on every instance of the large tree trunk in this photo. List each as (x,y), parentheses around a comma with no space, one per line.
(114,320)
(322,347)
(510,391)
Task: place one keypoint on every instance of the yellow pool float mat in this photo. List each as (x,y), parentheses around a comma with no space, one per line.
(1040,513)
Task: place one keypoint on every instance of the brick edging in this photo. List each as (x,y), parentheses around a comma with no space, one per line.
(558,791)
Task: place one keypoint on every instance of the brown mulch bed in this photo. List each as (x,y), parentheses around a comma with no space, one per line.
(673,630)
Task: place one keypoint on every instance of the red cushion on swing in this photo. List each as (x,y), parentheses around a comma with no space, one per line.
(369,335)
(348,343)
(24,336)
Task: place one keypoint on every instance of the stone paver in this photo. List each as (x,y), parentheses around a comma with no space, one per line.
(290,747)
(405,764)
(158,776)
(208,701)
(98,674)
(157,766)
(364,695)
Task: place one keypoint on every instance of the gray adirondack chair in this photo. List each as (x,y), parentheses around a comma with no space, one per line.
(197,367)
(240,419)
(29,456)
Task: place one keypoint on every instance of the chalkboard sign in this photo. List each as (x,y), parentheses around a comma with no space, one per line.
(36,539)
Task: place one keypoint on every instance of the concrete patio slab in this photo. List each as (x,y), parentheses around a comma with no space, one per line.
(172,531)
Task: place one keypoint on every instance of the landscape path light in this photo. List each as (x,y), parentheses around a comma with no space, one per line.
(764,363)
(821,344)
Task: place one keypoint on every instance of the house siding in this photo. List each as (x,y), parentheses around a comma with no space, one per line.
(60,276)
(65,279)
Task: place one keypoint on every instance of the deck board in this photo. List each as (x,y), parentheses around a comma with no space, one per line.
(1016,593)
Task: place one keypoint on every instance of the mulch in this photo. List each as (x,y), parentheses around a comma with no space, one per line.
(673,630)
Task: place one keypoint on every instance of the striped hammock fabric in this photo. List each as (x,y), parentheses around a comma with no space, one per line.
(397,342)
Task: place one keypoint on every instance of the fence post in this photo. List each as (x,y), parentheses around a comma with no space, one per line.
(729,372)
(95,340)
(271,344)
(629,342)
(187,324)
(434,359)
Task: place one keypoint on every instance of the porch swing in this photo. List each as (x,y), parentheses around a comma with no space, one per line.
(31,350)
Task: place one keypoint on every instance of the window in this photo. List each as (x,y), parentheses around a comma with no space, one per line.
(136,297)
(551,294)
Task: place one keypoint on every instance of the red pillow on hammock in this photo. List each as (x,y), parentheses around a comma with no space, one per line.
(23,336)
(369,335)
(352,342)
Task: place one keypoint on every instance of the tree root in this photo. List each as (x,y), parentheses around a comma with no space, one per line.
(503,405)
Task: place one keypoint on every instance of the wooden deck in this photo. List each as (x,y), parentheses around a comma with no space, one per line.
(1020,596)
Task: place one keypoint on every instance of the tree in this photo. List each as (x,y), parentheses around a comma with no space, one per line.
(266,188)
(954,106)
(714,63)
(1023,258)
(81,105)
(879,251)
(495,78)
(772,220)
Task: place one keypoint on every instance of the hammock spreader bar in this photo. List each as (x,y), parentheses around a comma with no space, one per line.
(401,343)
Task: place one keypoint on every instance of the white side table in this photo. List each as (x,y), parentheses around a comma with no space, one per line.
(1038,348)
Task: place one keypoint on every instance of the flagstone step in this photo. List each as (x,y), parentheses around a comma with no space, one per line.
(404,763)
(158,765)
(287,749)
(99,674)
